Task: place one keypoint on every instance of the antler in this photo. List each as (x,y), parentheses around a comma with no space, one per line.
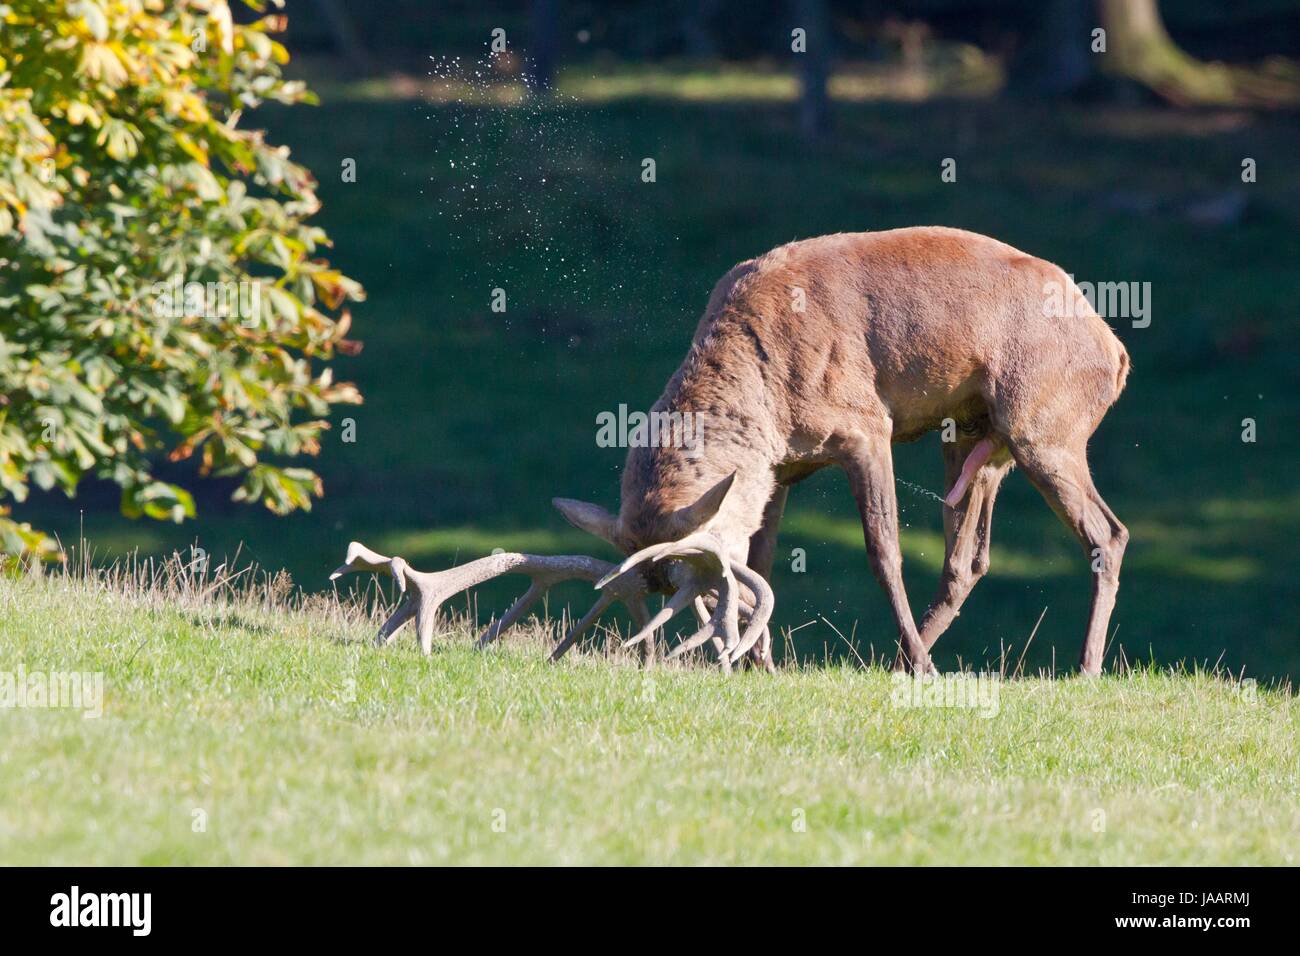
(712,569)
(428,590)
(759,614)
(755,597)
(705,573)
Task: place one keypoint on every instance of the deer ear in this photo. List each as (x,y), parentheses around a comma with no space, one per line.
(693,517)
(592,519)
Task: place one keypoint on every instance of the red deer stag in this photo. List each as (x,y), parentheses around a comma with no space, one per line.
(824,352)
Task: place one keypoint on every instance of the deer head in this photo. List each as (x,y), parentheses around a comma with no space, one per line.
(692,553)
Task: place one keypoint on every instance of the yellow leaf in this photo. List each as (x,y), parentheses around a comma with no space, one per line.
(79,112)
(118,139)
(193,149)
(92,16)
(224,24)
(99,62)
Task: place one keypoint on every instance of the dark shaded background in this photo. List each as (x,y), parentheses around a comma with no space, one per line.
(474,420)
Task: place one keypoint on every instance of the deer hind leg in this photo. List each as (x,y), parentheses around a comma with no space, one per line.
(869,462)
(967,530)
(1062,477)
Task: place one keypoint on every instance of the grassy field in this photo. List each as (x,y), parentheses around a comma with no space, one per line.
(249,731)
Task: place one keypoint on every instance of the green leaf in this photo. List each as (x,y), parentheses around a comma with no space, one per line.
(138,220)
(158,500)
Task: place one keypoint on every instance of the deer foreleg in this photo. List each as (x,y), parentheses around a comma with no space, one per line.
(869,462)
(762,553)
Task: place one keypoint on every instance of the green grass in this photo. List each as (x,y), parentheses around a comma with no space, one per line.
(301,743)
(474,420)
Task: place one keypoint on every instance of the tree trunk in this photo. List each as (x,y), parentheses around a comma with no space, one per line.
(1056,59)
(814,102)
(344,35)
(696,29)
(1138,47)
(541,55)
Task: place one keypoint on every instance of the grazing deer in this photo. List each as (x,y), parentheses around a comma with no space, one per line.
(825,352)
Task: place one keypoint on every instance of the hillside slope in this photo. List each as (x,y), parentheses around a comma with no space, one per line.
(239,729)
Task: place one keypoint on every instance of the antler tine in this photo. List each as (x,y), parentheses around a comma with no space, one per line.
(430,589)
(704,614)
(602,604)
(628,588)
(405,611)
(681,598)
(721,626)
(516,611)
(764,602)
(699,543)
(361,558)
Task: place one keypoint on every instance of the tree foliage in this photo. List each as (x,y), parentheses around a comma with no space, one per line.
(161,290)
